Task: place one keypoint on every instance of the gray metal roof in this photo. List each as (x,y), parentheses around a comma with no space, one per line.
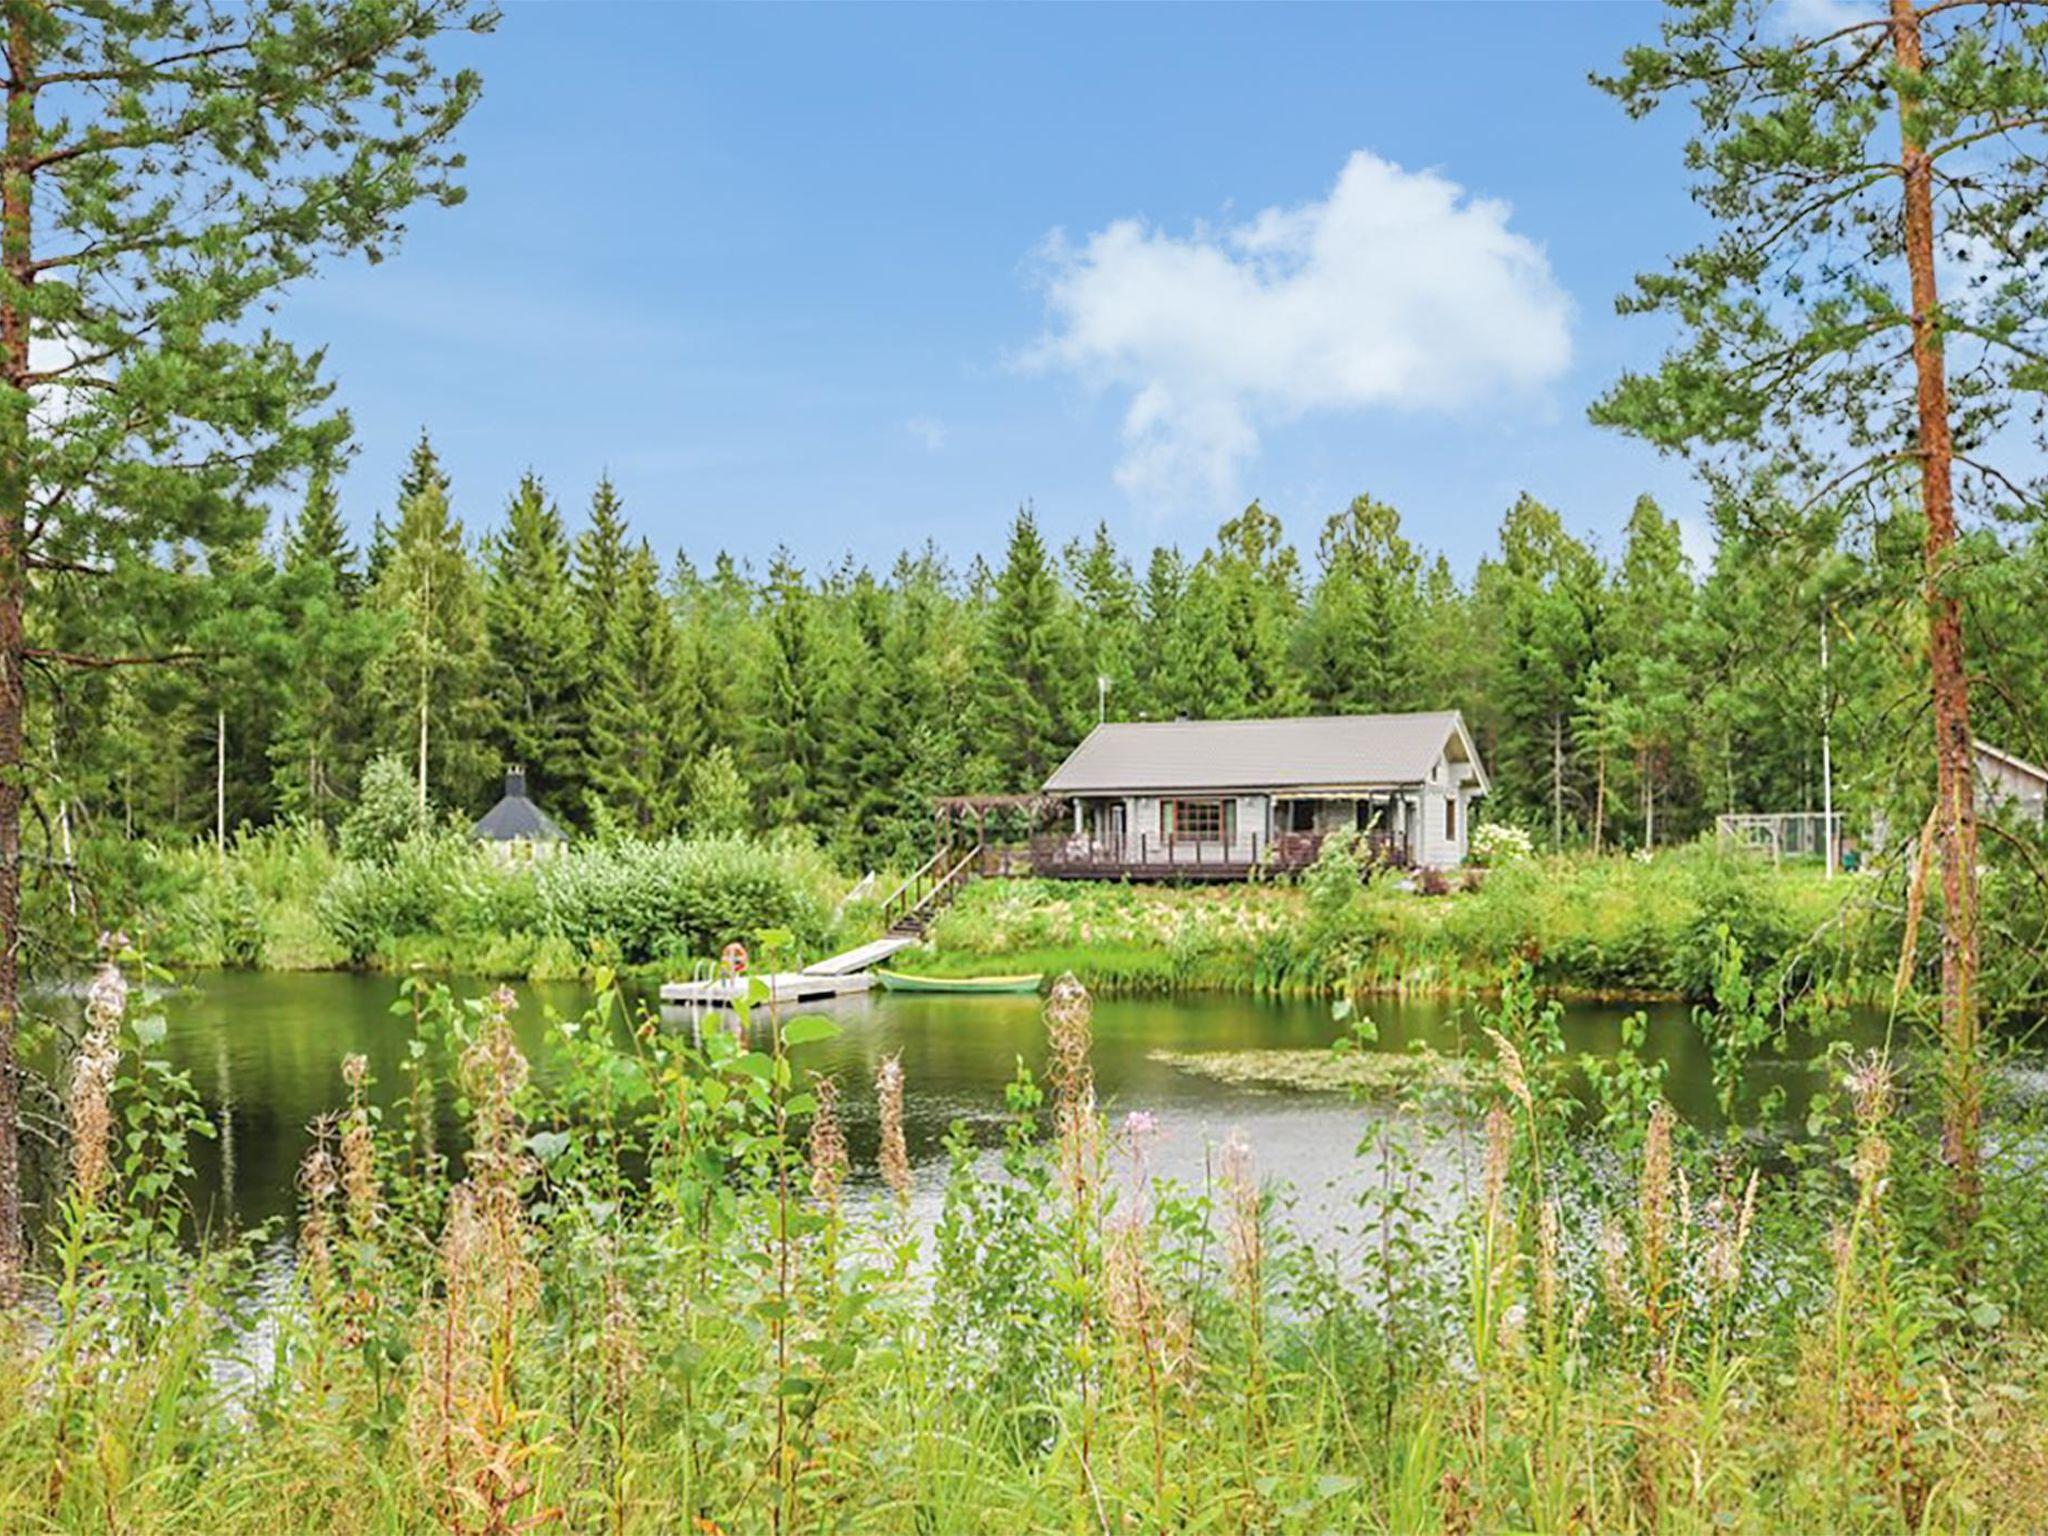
(516,818)
(1298,752)
(2011,760)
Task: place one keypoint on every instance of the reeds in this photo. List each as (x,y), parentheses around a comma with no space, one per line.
(825,1143)
(89,1103)
(466,1424)
(894,1156)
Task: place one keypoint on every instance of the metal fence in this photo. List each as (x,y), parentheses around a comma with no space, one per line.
(1783,834)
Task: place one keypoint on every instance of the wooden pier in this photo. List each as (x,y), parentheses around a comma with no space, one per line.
(838,976)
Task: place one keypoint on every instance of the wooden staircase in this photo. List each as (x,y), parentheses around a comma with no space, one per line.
(909,909)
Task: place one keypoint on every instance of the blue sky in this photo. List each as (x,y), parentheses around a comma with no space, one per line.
(791,273)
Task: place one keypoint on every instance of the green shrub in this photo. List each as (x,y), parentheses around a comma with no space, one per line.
(387,813)
(642,901)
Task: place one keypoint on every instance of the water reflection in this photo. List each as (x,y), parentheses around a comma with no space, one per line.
(264,1052)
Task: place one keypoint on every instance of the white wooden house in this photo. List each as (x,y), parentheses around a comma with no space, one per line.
(1220,798)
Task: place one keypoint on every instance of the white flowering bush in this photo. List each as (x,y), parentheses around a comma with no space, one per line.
(1501,842)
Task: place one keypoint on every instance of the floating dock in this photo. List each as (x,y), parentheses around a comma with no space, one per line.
(838,976)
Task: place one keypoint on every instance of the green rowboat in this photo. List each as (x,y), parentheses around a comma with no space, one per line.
(896,981)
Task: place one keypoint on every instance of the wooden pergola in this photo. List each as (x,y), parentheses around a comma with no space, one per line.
(951,812)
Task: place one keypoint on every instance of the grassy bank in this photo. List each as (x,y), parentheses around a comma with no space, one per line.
(1615,926)
(290,898)
(664,1298)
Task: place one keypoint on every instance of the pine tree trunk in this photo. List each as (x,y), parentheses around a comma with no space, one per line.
(1954,749)
(15,255)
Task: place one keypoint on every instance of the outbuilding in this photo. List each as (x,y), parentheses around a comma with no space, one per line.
(517,828)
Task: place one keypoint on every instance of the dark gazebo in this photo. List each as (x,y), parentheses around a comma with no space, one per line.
(516,826)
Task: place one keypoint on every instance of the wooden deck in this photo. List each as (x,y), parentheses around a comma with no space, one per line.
(1063,856)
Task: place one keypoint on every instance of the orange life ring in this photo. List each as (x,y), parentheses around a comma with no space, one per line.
(734,959)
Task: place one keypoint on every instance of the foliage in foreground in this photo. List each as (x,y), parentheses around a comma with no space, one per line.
(655,1300)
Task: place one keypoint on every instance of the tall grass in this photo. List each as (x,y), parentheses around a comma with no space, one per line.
(658,1299)
(284,898)
(1588,926)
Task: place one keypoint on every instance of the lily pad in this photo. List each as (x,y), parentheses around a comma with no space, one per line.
(1373,1073)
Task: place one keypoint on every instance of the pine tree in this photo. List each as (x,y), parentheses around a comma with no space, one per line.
(1826,343)
(1542,602)
(171,167)
(1647,636)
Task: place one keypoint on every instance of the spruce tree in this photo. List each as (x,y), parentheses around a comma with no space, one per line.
(538,681)
(603,551)
(1110,639)
(330,637)
(1360,631)
(1203,675)
(636,767)
(787,688)
(319,537)
(428,684)
(1160,604)
(1030,663)
(1257,581)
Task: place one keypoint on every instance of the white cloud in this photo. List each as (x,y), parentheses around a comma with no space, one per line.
(927,430)
(1398,291)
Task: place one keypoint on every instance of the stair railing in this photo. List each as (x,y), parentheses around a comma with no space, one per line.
(910,895)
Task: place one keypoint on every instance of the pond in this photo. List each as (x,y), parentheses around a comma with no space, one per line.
(264,1052)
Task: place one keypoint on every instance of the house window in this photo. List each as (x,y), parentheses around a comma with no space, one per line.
(1451,819)
(1193,820)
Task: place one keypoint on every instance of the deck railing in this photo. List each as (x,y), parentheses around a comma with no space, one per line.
(1073,853)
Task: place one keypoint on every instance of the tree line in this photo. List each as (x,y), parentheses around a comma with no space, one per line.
(1620,698)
